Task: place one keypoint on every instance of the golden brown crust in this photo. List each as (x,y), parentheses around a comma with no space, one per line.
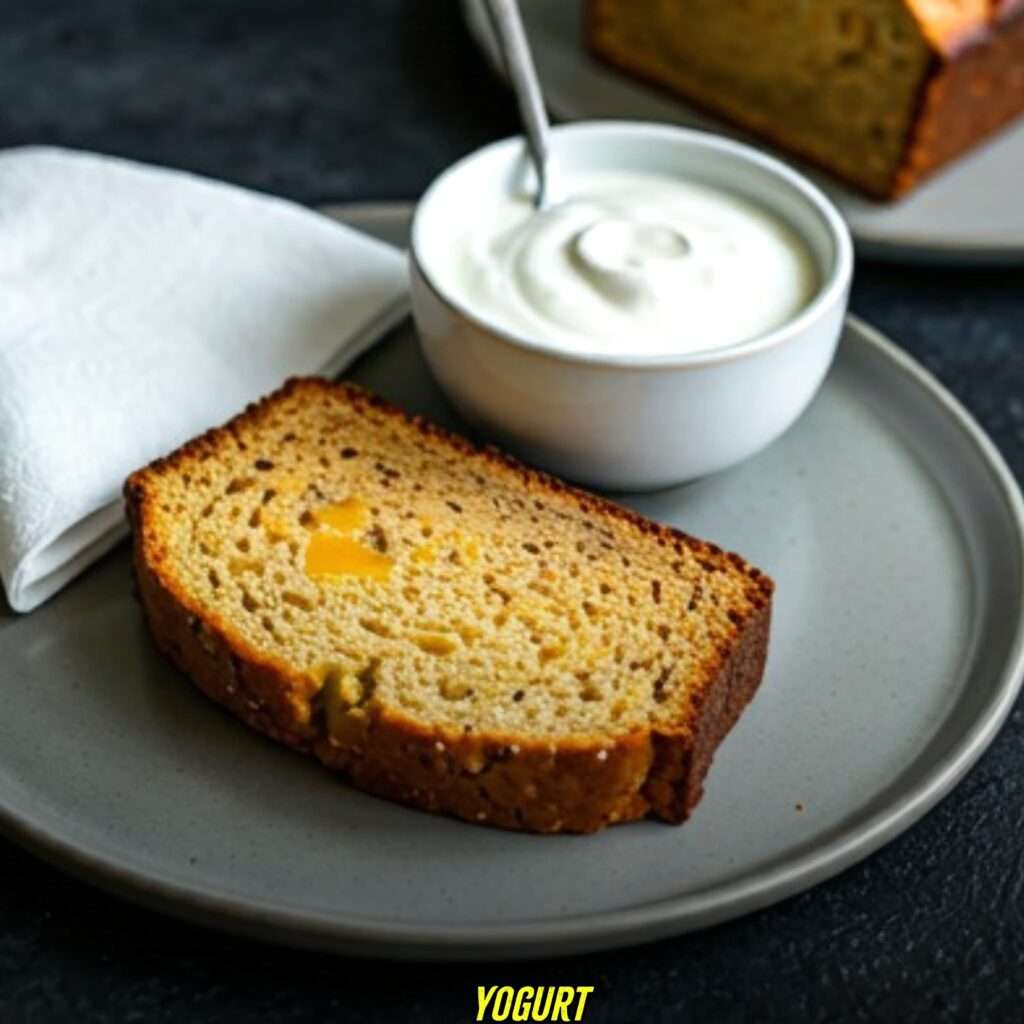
(964,101)
(517,782)
(674,784)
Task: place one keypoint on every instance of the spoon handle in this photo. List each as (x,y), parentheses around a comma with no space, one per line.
(515,49)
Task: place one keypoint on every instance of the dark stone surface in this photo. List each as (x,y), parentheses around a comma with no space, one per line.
(368,100)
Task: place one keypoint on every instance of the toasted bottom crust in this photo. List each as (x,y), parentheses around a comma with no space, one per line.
(525,784)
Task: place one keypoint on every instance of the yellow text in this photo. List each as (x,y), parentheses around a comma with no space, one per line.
(543,1003)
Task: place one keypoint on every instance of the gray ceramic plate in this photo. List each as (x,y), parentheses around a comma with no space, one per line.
(972,212)
(895,534)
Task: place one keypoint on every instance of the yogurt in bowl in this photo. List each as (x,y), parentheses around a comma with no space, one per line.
(673,313)
(633,264)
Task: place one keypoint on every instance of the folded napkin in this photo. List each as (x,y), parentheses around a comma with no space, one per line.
(138,307)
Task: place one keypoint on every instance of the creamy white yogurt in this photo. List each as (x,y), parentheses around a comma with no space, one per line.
(632,263)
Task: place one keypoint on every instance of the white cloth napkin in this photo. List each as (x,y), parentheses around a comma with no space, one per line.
(138,307)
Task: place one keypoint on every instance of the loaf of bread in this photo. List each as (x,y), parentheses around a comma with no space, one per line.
(442,625)
(880,92)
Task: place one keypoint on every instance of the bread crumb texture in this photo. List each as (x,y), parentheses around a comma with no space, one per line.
(443,625)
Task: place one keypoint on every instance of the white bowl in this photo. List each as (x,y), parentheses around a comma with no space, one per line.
(623,421)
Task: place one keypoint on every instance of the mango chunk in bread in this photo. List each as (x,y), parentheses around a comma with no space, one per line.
(441,624)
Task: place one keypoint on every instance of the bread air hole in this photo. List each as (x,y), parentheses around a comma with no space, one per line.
(436,643)
(454,689)
(659,688)
(240,566)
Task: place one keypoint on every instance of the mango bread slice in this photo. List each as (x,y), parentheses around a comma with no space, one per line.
(437,622)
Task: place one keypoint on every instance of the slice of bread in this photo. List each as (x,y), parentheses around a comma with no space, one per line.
(443,625)
(882,93)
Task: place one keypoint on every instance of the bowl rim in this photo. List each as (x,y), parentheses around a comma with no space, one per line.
(831,290)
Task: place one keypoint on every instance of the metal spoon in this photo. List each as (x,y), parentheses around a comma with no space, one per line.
(515,51)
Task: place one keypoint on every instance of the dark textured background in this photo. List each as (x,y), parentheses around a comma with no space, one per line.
(368,99)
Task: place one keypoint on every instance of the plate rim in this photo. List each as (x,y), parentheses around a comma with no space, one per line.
(360,935)
(869,243)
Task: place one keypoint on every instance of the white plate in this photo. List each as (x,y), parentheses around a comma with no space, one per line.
(894,531)
(972,211)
